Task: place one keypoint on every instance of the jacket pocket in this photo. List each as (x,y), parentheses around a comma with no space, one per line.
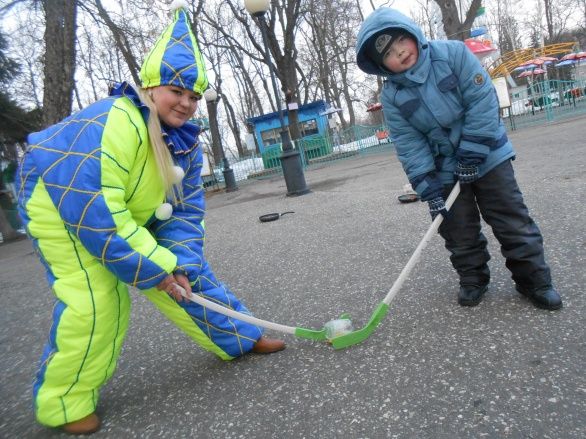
(449,83)
(408,108)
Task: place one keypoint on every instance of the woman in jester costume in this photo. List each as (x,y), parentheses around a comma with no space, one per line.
(112,196)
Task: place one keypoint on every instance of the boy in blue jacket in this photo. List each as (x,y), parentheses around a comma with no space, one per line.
(443,114)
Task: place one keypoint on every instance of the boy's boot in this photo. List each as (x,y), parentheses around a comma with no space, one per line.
(544,297)
(471,295)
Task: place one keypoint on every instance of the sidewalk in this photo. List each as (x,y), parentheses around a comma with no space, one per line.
(15,249)
(432,369)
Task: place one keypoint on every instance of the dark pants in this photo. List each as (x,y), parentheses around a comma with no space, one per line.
(500,202)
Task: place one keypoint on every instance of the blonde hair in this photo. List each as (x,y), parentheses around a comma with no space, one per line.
(163,157)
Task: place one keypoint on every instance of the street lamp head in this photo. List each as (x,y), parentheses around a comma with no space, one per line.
(257,8)
(210,95)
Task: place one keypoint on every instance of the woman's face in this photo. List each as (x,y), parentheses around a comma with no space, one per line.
(402,55)
(175,105)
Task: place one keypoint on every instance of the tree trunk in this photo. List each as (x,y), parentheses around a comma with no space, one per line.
(215,132)
(60,17)
(547,4)
(121,43)
(234,126)
(453,26)
(285,60)
(293,115)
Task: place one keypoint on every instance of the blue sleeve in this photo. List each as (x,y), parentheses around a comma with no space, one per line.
(481,107)
(184,232)
(414,153)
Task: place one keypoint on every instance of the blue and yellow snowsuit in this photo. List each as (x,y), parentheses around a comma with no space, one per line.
(88,190)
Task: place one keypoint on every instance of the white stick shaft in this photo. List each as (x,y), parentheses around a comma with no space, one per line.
(235,314)
(417,253)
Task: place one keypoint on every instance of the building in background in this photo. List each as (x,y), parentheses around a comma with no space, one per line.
(267,129)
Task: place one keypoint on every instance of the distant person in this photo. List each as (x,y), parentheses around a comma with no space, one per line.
(443,114)
(8,176)
(111,196)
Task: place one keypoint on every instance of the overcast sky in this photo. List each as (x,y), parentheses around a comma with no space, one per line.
(402,5)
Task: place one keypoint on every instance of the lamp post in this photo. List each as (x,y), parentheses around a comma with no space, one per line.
(290,157)
(212,98)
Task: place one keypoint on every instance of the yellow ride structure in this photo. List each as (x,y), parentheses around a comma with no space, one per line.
(504,65)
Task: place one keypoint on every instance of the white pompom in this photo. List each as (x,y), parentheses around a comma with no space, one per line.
(178,4)
(178,174)
(164,212)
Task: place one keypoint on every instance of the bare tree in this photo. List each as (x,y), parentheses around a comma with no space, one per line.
(582,6)
(60,26)
(330,50)
(508,36)
(221,58)
(242,39)
(428,16)
(558,15)
(132,28)
(282,20)
(221,29)
(122,42)
(457,23)
(27,47)
(248,96)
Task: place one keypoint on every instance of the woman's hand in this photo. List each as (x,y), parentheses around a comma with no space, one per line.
(170,283)
(183,281)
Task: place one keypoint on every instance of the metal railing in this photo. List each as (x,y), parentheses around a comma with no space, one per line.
(545,102)
(313,150)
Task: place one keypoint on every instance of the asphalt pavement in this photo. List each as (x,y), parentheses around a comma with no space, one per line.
(432,369)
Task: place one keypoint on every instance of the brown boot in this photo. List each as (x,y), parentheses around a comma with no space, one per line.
(89,424)
(268,345)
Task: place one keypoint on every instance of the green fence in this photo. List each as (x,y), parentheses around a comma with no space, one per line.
(313,150)
(545,102)
(271,157)
(314,147)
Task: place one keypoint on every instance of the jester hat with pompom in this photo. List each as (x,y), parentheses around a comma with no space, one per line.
(175,59)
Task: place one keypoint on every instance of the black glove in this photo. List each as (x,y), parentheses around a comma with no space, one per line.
(466,173)
(437,206)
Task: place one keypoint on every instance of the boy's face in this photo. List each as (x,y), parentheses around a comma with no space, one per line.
(402,55)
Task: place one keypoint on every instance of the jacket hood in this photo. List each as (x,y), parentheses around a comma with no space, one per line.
(388,18)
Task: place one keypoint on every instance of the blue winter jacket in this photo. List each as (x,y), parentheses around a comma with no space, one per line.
(441,111)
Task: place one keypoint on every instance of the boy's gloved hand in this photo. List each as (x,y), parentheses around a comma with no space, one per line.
(437,206)
(466,173)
